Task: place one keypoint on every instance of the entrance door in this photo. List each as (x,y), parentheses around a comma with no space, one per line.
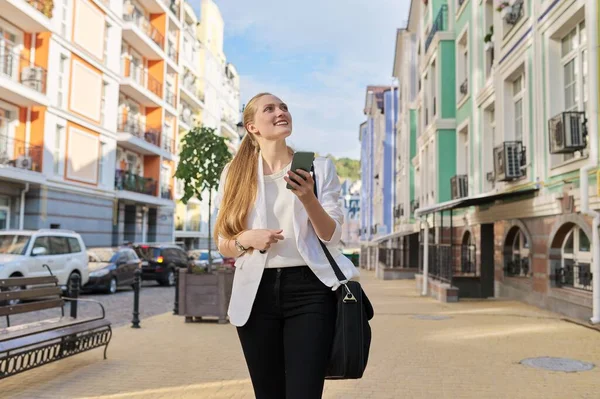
(487,260)
(152,221)
(129,221)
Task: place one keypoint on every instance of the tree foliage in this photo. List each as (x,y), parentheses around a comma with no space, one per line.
(202,157)
(347,168)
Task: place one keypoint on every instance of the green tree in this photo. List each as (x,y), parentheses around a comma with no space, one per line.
(202,157)
(346,168)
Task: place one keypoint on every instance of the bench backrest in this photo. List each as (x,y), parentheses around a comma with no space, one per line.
(35,293)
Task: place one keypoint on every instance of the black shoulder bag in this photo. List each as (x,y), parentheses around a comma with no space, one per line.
(352,337)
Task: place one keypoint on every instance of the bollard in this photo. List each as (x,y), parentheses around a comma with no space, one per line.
(176,302)
(74,283)
(135,323)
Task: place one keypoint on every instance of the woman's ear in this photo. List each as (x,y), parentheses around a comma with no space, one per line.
(251,128)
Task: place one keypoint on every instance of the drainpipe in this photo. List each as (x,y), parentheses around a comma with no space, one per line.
(591,18)
(22,206)
(425,256)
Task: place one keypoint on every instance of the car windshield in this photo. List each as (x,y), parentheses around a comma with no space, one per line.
(13,244)
(103,256)
(146,252)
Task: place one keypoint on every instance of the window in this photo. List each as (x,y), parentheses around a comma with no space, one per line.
(107,27)
(463,152)
(575,261)
(462,70)
(489,34)
(4,213)
(518,88)
(74,244)
(59,245)
(574,66)
(103,103)
(64,18)
(58,155)
(101,163)
(433,91)
(62,79)
(42,242)
(517,254)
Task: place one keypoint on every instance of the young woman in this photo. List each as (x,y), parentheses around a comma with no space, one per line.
(283,300)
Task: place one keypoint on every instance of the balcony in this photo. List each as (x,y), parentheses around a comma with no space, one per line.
(186,120)
(19,160)
(170,98)
(127,181)
(191,93)
(21,82)
(173,6)
(440,24)
(29,15)
(133,134)
(228,126)
(140,86)
(166,192)
(172,52)
(144,37)
(168,144)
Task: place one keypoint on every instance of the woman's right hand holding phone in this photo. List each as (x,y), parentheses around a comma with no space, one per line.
(260,239)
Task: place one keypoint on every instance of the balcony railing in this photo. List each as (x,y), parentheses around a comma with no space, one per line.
(172,52)
(18,153)
(168,144)
(574,276)
(394,258)
(44,6)
(141,77)
(146,27)
(166,192)
(170,98)
(125,180)
(190,85)
(440,24)
(18,68)
(132,124)
(173,6)
(447,261)
(517,267)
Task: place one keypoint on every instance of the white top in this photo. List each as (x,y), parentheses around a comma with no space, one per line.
(280,215)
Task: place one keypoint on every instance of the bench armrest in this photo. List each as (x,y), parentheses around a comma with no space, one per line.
(87,300)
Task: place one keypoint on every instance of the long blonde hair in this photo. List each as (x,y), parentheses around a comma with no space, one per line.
(241,184)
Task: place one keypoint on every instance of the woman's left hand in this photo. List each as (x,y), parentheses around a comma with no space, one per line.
(304,188)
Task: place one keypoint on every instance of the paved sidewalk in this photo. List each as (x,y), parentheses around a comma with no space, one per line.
(473,354)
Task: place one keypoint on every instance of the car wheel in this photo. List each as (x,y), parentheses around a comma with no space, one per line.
(169,281)
(112,287)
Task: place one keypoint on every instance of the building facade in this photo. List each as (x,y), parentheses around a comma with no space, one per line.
(94,95)
(350,200)
(218,82)
(506,163)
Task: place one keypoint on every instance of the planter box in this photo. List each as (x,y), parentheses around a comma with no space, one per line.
(205,295)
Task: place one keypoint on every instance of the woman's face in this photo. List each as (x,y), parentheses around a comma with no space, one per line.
(272,120)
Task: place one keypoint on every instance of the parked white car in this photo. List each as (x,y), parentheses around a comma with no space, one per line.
(30,253)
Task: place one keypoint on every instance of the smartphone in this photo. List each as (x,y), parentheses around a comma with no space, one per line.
(302,160)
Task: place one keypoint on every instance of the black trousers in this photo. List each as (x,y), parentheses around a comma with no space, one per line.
(287,339)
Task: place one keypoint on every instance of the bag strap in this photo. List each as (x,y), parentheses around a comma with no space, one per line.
(338,272)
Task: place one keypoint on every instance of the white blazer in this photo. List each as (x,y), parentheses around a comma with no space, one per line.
(249,267)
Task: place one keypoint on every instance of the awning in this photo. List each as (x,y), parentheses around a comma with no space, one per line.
(477,200)
(401,233)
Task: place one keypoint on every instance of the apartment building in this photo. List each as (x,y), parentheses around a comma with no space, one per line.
(505,161)
(217,81)
(89,99)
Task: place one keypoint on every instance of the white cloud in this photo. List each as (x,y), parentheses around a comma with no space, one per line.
(356,36)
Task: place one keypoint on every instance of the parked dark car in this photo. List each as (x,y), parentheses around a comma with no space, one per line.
(111,268)
(159,261)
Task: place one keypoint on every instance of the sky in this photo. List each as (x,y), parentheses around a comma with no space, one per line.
(318,56)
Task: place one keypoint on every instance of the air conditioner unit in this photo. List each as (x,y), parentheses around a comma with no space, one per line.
(460,186)
(568,132)
(24,162)
(509,161)
(32,77)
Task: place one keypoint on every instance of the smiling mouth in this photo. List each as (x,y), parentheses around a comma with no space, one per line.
(281,123)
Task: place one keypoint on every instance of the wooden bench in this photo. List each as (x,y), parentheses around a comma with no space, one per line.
(26,346)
